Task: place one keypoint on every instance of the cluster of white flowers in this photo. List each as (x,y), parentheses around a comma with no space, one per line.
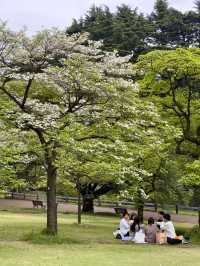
(27,159)
(25,121)
(143,194)
(43,109)
(124,193)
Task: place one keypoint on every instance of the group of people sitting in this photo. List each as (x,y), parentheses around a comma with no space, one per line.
(161,231)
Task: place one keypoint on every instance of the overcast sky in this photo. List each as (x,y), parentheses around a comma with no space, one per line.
(38,14)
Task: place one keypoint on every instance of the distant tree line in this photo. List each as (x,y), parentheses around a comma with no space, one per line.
(130,31)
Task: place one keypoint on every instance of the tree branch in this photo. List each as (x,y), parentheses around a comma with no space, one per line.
(26,92)
(95,137)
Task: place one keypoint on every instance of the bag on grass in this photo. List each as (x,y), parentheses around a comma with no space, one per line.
(161,238)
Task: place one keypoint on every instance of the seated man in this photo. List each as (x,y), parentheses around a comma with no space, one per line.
(170,231)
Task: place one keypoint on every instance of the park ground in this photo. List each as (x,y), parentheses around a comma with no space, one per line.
(22,243)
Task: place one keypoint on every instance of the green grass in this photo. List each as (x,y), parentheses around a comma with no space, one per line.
(182,212)
(23,244)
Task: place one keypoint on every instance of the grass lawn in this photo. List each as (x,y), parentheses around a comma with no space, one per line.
(91,244)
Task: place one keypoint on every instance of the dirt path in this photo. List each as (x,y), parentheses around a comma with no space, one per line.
(68,207)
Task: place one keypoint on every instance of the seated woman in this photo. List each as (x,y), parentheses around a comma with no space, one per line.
(135,225)
(170,231)
(140,235)
(132,216)
(150,231)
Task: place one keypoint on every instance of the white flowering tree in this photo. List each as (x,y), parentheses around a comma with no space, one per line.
(151,176)
(65,90)
(37,105)
(108,155)
(42,81)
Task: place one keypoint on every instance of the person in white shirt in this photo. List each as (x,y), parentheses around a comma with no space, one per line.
(170,231)
(124,226)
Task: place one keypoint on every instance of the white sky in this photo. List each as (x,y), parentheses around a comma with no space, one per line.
(38,14)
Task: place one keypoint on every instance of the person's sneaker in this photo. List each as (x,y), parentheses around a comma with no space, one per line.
(184,242)
(115,233)
(118,236)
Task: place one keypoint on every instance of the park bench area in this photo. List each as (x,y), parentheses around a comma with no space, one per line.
(118,207)
(38,203)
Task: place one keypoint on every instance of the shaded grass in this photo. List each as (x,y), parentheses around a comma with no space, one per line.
(27,226)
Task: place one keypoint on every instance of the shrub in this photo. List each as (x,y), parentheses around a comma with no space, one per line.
(195,234)
(180,231)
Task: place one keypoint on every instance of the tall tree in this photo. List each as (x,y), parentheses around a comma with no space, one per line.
(169,26)
(130,31)
(23,62)
(172,79)
(54,81)
(197,6)
(76,27)
(98,22)
(127,30)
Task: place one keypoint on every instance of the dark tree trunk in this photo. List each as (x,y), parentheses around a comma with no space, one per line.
(51,200)
(155,206)
(140,211)
(140,205)
(50,157)
(88,204)
(79,207)
(90,192)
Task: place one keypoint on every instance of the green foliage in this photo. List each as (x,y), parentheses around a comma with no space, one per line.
(171,79)
(126,31)
(98,22)
(129,31)
(197,5)
(169,26)
(65,187)
(192,175)
(195,234)
(94,125)
(185,232)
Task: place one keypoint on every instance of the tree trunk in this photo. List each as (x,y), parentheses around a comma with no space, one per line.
(88,204)
(79,207)
(51,200)
(140,212)
(156,207)
(50,157)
